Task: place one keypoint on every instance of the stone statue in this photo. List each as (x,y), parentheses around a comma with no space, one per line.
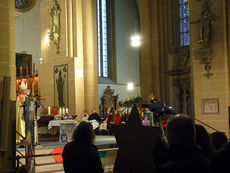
(55,25)
(206,22)
(108,100)
(60,88)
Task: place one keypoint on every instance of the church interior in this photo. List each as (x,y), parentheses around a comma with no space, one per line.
(100,55)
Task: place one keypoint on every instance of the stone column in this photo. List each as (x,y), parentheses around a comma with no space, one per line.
(90,54)
(157,37)
(7,68)
(217,86)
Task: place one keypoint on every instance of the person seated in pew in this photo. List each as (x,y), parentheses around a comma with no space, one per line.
(95,120)
(124,117)
(85,115)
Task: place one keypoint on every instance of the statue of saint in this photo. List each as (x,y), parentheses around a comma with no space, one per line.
(55,25)
(108,98)
(206,22)
(60,88)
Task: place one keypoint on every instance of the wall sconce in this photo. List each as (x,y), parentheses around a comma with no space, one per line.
(41,60)
(130,86)
(48,38)
(136,40)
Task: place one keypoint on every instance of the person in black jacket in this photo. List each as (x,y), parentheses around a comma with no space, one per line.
(204,141)
(184,154)
(95,120)
(80,155)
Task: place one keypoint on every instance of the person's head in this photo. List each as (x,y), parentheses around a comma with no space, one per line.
(108,111)
(218,139)
(181,130)
(85,112)
(203,140)
(146,110)
(25,92)
(84,133)
(115,112)
(93,110)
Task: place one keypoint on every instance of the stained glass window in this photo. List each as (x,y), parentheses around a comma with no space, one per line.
(184,23)
(20,3)
(103,40)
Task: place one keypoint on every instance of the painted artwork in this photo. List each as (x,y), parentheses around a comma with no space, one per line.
(147,119)
(23,64)
(61,85)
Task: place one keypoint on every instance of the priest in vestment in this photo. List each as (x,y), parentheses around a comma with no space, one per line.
(24,119)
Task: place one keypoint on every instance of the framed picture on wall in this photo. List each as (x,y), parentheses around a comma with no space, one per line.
(61,86)
(23,64)
(147,119)
(210,106)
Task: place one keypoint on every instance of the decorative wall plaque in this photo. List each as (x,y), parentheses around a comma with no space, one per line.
(210,106)
(61,85)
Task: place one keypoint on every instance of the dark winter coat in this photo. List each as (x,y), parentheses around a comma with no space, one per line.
(184,158)
(81,158)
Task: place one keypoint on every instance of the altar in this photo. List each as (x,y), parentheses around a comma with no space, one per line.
(66,128)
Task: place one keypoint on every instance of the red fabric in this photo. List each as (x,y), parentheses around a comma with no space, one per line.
(54,110)
(164,123)
(58,158)
(116,120)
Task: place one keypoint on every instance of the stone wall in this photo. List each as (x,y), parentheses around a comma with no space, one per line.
(217,86)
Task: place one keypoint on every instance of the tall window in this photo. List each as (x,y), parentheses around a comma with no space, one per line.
(104,37)
(184,23)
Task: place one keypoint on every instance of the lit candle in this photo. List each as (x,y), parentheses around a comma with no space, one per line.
(63,111)
(66,110)
(60,111)
(49,110)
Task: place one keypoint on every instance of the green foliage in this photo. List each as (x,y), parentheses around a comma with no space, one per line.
(130,102)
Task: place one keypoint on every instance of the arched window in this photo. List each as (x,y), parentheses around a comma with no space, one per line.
(184,22)
(104,38)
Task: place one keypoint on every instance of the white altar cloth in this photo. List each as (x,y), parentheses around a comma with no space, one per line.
(66,128)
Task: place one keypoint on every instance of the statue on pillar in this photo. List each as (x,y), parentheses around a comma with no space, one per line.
(206,22)
(55,13)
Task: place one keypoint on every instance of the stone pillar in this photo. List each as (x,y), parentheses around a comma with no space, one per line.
(77,49)
(90,54)
(157,36)
(7,68)
(217,86)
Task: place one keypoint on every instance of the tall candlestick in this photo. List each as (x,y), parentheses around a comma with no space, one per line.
(66,110)
(49,110)
(33,68)
(60,111)
(63,111)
